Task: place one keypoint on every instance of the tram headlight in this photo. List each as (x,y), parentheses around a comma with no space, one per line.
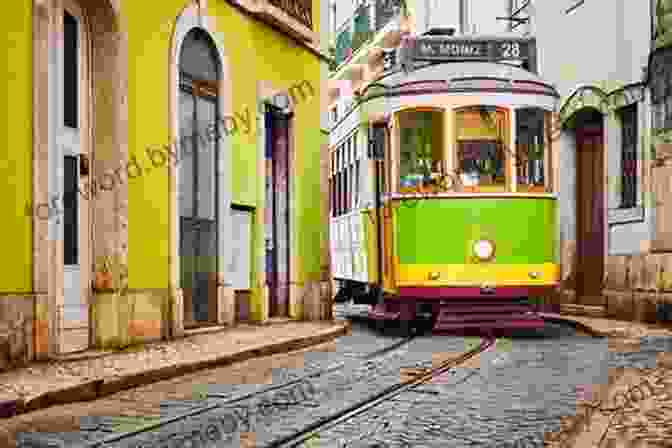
(484,249)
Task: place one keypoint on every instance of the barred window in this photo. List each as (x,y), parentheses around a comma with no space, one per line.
(628,116)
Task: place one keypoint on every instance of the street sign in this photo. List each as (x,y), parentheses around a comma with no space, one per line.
(431,48)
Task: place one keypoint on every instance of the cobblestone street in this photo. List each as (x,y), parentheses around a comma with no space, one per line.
(520,389)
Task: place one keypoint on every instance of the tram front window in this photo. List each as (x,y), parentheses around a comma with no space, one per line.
(481,163)
(481,137)
(530,151)
(420,151)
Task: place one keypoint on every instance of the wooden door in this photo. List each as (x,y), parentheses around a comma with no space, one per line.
(590,216)
(277,212)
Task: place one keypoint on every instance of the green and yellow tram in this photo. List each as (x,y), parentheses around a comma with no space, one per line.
(444,202)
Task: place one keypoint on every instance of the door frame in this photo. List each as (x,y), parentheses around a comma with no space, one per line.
(587,129)
(272,95)
(57,154)
(109,81)
(196,90)
(193,16)
(271,109)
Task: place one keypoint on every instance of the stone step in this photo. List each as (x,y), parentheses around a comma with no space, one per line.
(494,325)
(481,317)
(478,308)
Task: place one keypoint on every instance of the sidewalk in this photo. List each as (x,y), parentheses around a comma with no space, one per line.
(635,408)
(94,374)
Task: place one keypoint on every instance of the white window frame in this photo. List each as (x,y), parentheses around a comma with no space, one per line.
(188,20)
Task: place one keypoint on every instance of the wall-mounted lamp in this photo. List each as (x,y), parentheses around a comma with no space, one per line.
(281,101)
(83,165)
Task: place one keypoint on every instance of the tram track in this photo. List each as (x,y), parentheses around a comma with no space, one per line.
(227,401)
(422,377)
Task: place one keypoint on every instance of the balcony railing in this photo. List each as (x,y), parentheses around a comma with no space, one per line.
(369,18)
(301,10)
(387,10)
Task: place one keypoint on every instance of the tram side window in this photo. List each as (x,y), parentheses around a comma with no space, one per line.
(346,192)
(358,193)
(341,202)
(332,184)
(337,182)
(481,142)
(420,150)
(530,151)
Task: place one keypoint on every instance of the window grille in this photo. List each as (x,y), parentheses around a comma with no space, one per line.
(628,117)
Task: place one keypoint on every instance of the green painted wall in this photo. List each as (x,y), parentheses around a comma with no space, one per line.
(16,157)
(441,231)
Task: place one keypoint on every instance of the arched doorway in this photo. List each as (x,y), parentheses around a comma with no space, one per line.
(588,126)
(199,69)
(79,139)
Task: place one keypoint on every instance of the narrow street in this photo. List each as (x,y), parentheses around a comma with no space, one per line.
(518,389)
(348,224)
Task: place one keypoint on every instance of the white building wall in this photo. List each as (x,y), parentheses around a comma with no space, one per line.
(437,14)
(482,16)
(607,47)
(578,48)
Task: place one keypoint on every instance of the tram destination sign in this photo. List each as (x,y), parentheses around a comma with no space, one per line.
(483,49)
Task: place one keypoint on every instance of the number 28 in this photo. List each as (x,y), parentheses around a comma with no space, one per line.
(510,50)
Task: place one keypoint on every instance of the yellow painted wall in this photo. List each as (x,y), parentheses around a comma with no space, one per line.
(255,53)
(16,146)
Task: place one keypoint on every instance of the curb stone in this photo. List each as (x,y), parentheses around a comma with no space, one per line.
(95,389)
(576,324)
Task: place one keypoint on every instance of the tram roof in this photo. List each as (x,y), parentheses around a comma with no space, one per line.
(466,76)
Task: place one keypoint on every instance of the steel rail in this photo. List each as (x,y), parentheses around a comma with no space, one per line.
(299,437)
(200,410)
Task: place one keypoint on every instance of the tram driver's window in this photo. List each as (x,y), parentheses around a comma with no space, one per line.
(530,151)
(481,137)
(420,150)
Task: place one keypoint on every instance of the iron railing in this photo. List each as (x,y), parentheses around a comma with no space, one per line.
(369,18)
(301,10)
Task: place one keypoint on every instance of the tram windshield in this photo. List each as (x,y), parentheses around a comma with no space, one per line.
(420,148)
(471,149)
(481,137)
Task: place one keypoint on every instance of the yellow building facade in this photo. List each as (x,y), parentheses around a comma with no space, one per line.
(149,170)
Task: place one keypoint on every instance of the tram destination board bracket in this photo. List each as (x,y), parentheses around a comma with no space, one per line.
(444,49)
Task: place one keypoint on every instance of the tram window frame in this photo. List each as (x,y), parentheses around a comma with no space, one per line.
(358,183)
(422,168)
(541,182)
(338,194)
(500,140)
(331,196)
(346,193)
